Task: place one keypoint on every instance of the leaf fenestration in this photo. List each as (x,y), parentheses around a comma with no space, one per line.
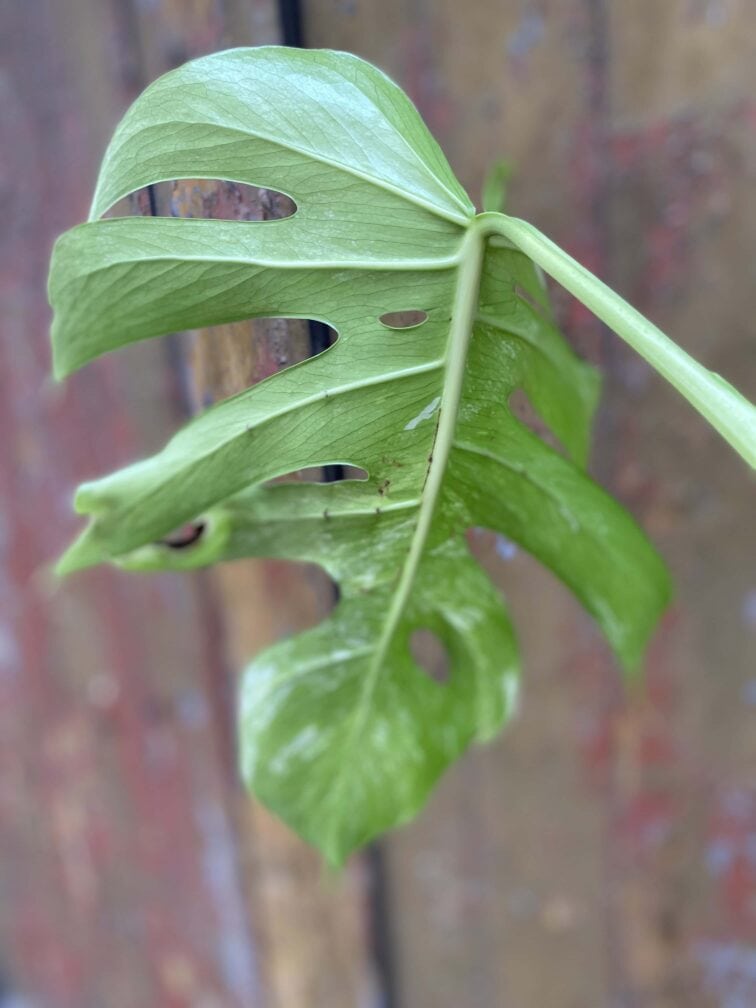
(342,733)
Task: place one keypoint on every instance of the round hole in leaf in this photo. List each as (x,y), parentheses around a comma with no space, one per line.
(429,652)
(184,536)
(406,319)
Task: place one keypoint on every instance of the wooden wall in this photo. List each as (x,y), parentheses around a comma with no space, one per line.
(602,852)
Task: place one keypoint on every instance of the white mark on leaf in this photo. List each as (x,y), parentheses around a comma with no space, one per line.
(425,414)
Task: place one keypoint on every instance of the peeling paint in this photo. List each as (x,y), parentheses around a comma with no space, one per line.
(230,937)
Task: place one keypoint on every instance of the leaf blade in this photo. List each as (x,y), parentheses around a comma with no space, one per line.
(317,107)
(409,406)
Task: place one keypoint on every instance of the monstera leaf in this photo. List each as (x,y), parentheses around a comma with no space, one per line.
(341,732)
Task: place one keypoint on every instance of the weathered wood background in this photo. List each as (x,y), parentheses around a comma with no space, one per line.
(603,852)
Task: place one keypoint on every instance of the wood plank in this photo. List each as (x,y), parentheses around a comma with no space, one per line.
(683,229)
(120,876)
(313,931)
(135,869)
(598,851)
(502,871)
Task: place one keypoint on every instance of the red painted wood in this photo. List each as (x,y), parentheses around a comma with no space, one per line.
(599,852)
(603,850)
(120,866)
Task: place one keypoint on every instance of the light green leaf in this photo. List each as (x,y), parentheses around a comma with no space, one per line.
(342,733)
(495,185)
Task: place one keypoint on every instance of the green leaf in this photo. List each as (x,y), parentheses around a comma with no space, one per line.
(495,185)
(342,732)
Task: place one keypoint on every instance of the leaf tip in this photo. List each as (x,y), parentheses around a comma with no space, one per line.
(82,553)
(495,185)
(62,364)
(59,369)
(633,654)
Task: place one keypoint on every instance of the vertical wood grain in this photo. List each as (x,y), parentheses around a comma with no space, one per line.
(135,870)
(312,930)
(601,851)
(120,873)
(683,238)
(597,853)
(502,872)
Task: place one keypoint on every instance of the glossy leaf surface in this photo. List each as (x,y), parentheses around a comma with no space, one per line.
(342,732)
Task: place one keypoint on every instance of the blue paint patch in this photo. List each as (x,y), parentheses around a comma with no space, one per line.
(505,548)
(719,857)
(237,955)
(748,609)
(729,970)
(737,803)
(526,35)
(717,13)
(192,709)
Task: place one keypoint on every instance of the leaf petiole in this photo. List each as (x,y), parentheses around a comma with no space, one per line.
(720,403)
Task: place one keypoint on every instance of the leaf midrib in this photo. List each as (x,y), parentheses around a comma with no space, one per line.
(460,332)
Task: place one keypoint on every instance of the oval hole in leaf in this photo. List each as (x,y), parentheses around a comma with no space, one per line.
(322,335)
(184,536)
(335,472)
(207,198)
(429,652)
(220,200)
(406,319)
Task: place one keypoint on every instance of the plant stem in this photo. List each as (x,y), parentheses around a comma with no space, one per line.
(723,406)
(463,314)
